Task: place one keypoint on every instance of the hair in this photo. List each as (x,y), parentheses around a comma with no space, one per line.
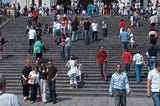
(157,64)
(71,57)
(138,51)
(152,29)
(119,64)
(2,81)
(35,67)
(123,29)
(43,65)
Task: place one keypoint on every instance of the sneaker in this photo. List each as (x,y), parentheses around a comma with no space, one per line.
(31,102)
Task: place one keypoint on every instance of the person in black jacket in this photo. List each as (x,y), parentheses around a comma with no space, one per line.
(24,79)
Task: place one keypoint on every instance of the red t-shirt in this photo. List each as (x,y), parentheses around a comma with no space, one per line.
(126,56)
(101,56)
(122,25)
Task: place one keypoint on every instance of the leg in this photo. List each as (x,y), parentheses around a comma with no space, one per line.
(123,98)
(156,98)
(116,97)
(73,35)
(104,70)
(101,69)
(50,89)
(54,91)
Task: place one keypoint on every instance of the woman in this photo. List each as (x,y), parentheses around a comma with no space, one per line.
(153,36)
(122,25)
(71,64)
(63,42)
(34,76)
(139,61)
(43,82)
(38,48)
(24,79)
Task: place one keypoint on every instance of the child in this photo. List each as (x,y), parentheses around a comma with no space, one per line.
(79,71)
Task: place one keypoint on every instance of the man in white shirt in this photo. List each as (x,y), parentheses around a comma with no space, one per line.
(67,47)
(94,27)
(153,84)
(5,98)
(58,28)
(31,37)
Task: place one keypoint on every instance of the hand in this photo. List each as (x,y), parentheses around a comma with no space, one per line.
(128,93)
(148,94)
(97,64)
(53,79)
(26,79)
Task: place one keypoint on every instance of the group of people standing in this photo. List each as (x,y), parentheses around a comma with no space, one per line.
(37,78)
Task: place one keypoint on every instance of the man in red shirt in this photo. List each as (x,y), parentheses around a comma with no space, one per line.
(126,58)
(101,57)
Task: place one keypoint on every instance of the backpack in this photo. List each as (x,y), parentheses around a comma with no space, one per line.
(3,41)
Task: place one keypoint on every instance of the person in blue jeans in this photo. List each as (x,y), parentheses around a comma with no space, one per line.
(51,80)
(151,57)
(87,26)
(124,37)
(153,84)
(139,61)
(75,25)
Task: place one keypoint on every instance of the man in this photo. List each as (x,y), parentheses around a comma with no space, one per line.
(151,57)
(94,27)
(32,37)
(87,26)
(51,80)
(119,85)
(101,61)
(153,84)
(67,47)
(124,37)
(5,98)
(126,58)
(74,26)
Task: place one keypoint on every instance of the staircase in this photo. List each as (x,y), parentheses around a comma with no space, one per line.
(15,54)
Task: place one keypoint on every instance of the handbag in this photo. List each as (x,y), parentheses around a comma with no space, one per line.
(24,82)
(31,82)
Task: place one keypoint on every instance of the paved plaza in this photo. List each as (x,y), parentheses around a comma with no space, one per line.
(91,101)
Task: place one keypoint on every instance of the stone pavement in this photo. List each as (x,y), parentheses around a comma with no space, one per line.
(90,101)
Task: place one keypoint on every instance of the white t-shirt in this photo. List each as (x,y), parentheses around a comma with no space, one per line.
(94,26)
(9,100)
(138,58)
(35,75)
(58,26)
(154,77)
(68,41)
(32,34)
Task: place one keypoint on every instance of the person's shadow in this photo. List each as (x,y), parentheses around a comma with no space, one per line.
(63,99)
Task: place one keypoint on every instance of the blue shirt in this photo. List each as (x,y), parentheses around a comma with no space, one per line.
(119,82)
(124,36)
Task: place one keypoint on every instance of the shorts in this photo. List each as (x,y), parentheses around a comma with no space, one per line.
(31,42)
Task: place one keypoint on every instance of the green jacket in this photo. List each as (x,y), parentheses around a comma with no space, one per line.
(37,47)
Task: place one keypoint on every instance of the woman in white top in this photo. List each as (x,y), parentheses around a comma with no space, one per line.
(139,61)
(94,27)
(131,36)
(71,64)
(35,76)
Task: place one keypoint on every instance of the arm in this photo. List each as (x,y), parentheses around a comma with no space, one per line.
(148,88)
(127,85)
(54,78)
(111,86)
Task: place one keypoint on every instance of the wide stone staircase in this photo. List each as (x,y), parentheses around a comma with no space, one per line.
(16,52)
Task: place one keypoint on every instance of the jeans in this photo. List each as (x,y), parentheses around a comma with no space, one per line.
(103,69)
(75,35)
(95,35)
(62,52)
(119,97)
(73,79)
(87,37)
(58,36)
(33,94)
(127,68)
(67,52)
(152,63)
(43,85)
(105,33)
(124,46)
(52,90)
(138,71)
(156,98)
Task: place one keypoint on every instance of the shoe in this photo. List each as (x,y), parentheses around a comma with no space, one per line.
(31,102)
(54,102)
